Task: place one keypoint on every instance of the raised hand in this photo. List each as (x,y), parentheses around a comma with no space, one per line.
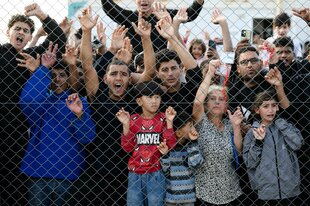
(70,56)
(86,20)
(260,132)
(123,116)
(165,28)
(236,117)
(66,25)
(48,59)
(118,37)
(163,147)
(214,65)
(193,134)
(160,11)
(74,103)
(144,28)
(274,77)
(35,10)
(101,33)
(181,16)
(29,62)
(125,53)
(217,17)
(170,114)
(303,13)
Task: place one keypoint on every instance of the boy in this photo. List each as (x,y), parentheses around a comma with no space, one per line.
(146,136)
(281,27)
(179,164)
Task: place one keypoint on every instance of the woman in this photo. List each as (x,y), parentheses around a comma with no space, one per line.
(220,140)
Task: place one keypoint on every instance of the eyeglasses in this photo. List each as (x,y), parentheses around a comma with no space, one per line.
(246,61)
(25,30)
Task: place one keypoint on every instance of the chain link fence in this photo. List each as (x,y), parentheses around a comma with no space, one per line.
(60,149)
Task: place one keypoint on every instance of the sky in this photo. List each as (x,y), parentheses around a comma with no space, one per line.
(57,9)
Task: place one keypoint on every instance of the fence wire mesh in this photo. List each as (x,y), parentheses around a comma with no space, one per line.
(68,83)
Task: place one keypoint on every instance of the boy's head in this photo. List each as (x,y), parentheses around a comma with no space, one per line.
(148,96)
(281,24)
(20,29)
(60,75)
(266,106)
(284,49)
(183,126)
(117,78)
(168,68)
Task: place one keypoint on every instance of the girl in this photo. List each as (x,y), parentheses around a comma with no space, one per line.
(197,49)
(270,154)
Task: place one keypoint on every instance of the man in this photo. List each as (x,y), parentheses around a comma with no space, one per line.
(108,90)
(125,17)
(12,78)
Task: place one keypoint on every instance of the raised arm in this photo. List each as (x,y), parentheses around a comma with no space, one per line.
(118,14)
(219,18)
(274,77)
(144,30)
(165,29)
(91,78)
(70,58)
(202,92)
(50,26)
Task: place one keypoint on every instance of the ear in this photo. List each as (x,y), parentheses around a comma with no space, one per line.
(138,100)
(238,70)
(277,107)
(105,79)
(256,110)
(8,32)
(178,133)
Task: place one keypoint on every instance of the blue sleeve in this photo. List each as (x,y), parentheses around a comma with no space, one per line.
(85,129)
(195,158)
(165,162)
(34,93)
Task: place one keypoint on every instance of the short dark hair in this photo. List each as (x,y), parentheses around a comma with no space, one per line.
(149,88)
(282,19)
(61,65)
(21,18)
(116,61)
(197,41)
(284,42)
(78,33)
(245,49)
(166,55)
(181,119)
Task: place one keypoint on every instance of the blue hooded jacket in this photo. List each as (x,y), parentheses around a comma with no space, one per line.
(57,136)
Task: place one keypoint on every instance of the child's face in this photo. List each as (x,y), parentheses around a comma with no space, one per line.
(282,30)
(59,80)
(216,103)
(185,132)
(149,104)
(267,111)
(196,51)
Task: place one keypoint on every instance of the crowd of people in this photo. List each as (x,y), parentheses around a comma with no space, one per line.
(154,118)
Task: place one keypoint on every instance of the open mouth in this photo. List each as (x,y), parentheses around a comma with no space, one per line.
(19,39)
